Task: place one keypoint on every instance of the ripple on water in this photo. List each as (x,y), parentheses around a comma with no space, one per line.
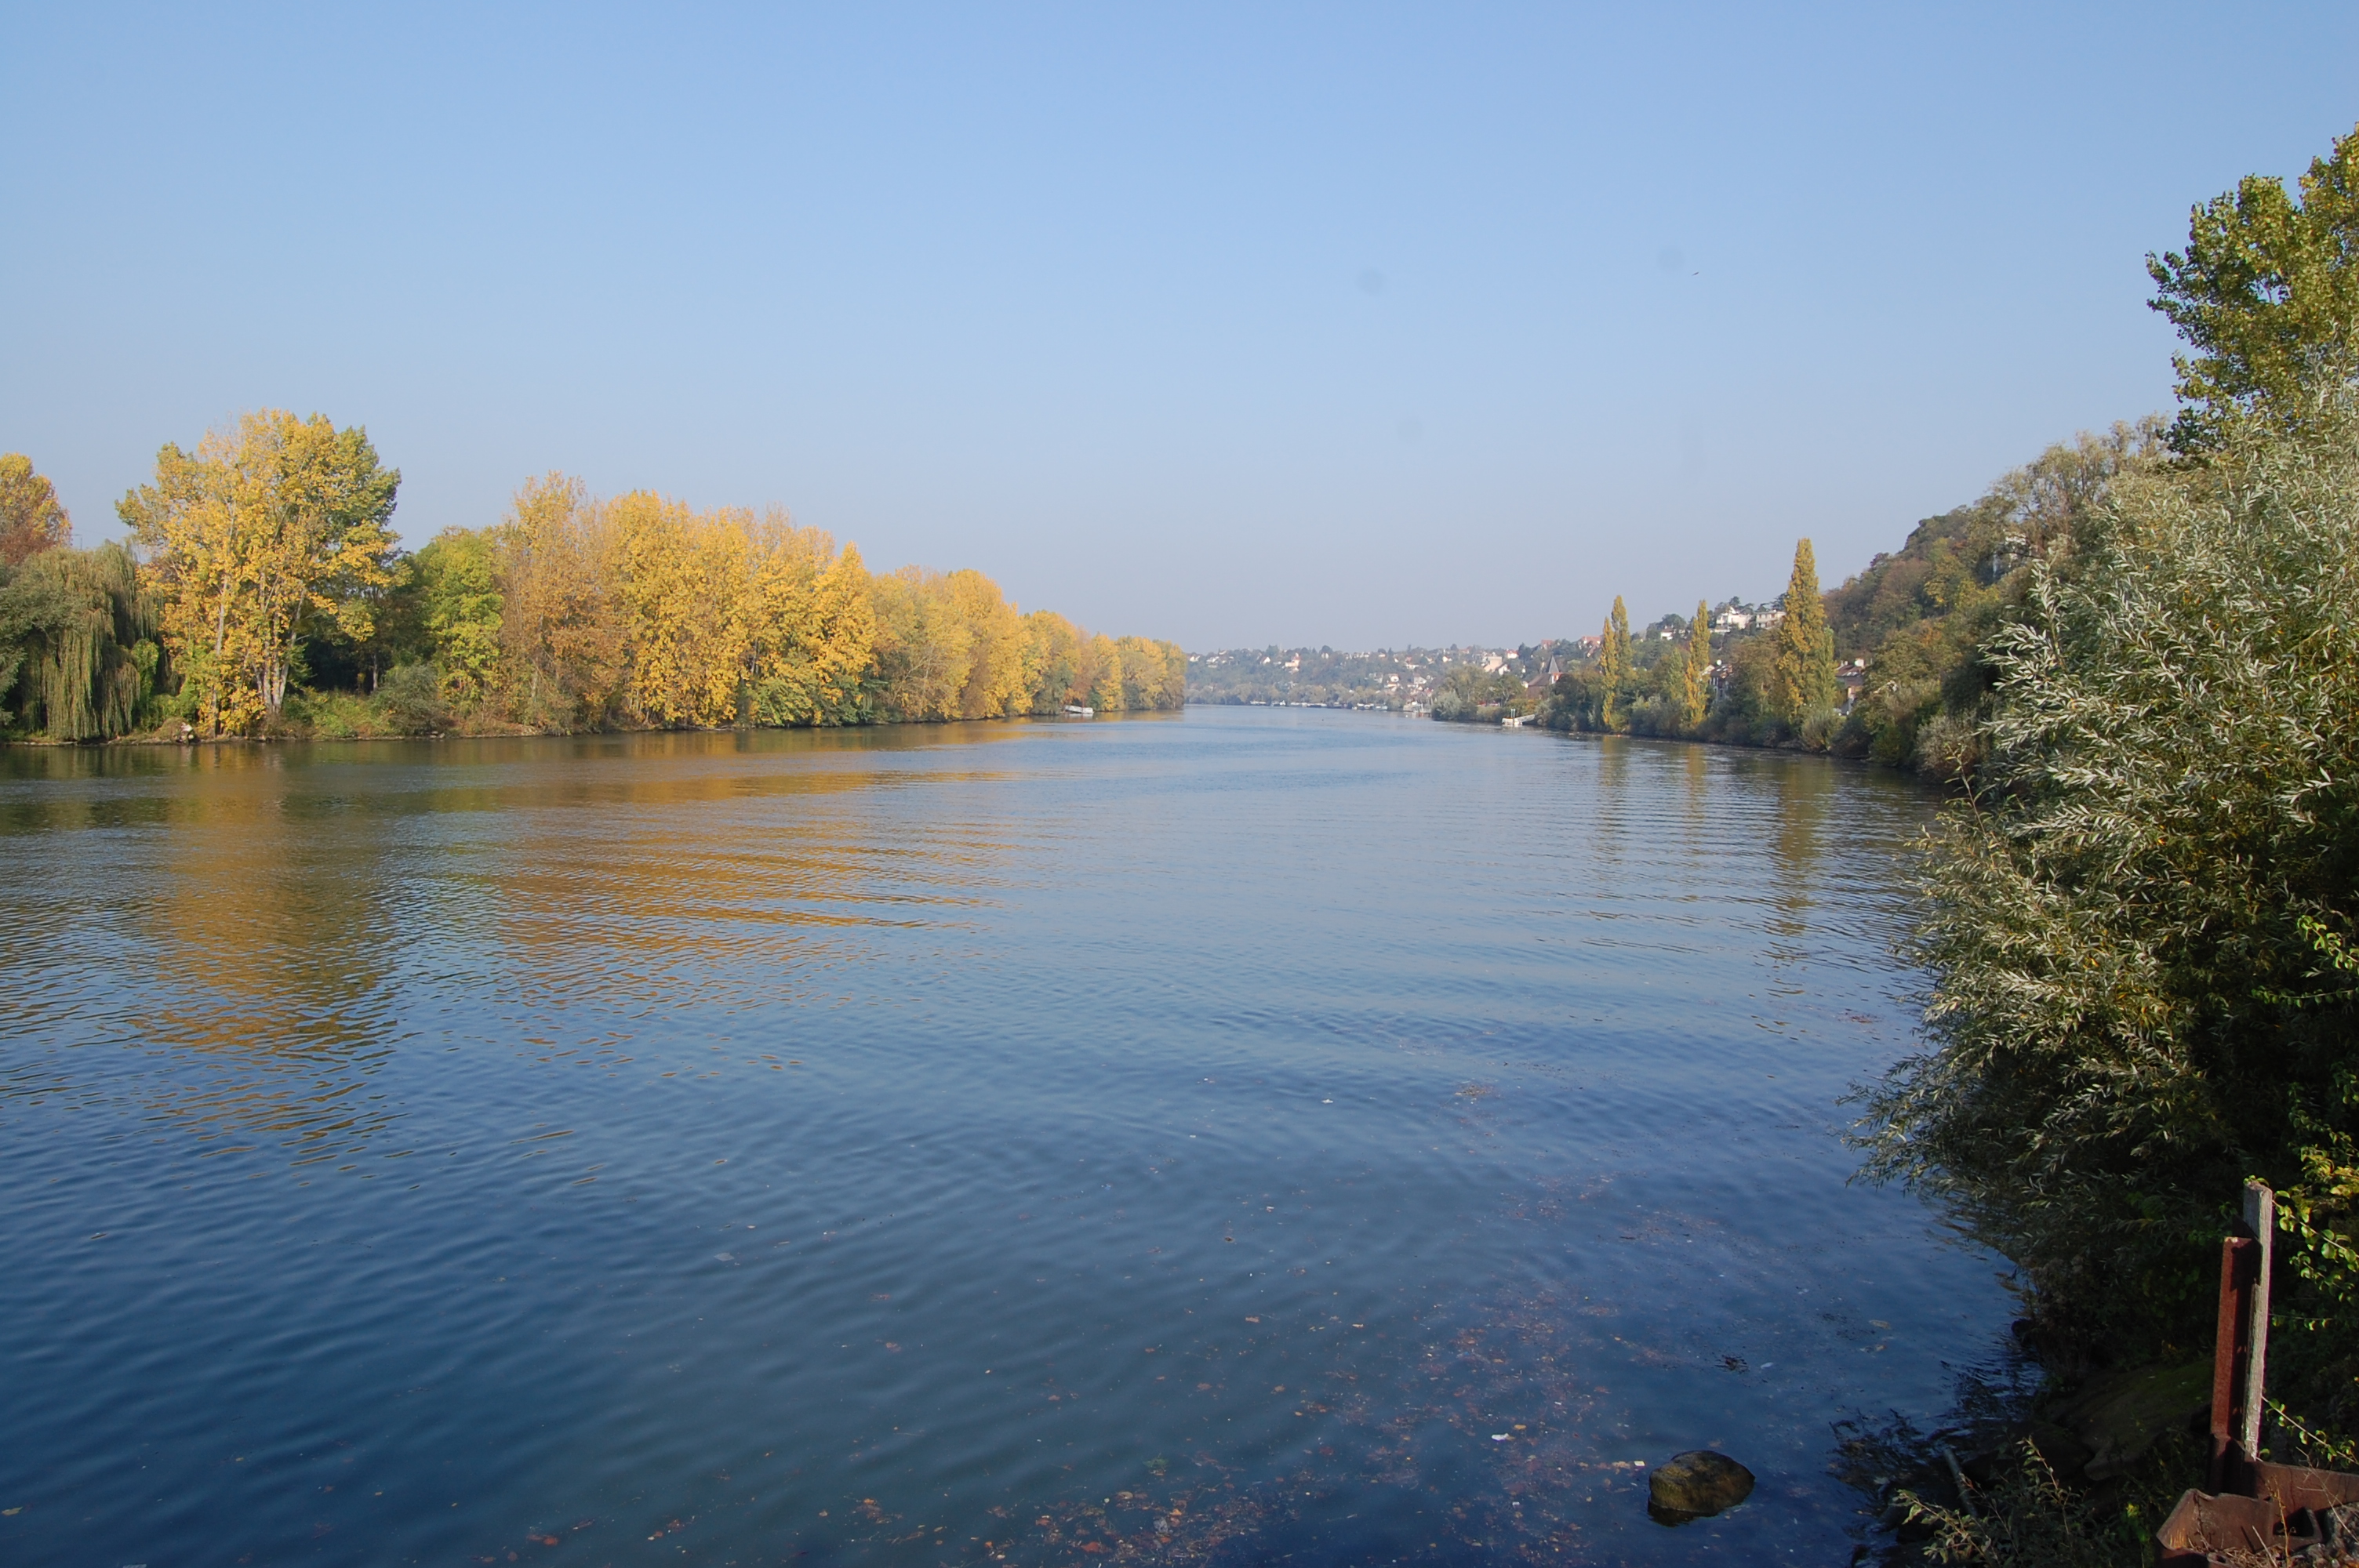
(1207,1139)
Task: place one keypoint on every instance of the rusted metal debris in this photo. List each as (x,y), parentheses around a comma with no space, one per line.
(2255,1512)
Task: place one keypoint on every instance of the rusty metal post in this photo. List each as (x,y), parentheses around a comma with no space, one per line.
(2231,1362)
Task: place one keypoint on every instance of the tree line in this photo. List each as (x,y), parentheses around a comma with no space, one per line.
(263,592)
(1767,686)
(1777,682)
(1890,667)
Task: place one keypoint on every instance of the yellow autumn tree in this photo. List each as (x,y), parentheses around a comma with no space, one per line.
(1054,659)
(815,630)
(684,581)
(264,531)
(921,647)
(31,518)
(1101,678)
(1154,673)
(562,636)
(642,611)
(998,683)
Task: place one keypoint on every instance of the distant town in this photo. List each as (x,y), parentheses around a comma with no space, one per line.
(1405,680)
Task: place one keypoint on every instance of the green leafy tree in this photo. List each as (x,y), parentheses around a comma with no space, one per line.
(1695,690)
(1614,666)
(458,606)
(2267,295)
(1470,694)
(1804,683)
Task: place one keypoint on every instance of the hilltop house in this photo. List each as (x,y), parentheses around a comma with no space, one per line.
(1852,677)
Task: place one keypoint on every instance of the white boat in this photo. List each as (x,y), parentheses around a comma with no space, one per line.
(1071,711)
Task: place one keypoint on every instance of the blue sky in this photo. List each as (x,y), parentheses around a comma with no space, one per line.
(1351,324)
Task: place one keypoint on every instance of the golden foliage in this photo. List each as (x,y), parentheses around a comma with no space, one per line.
(815,628)
(561,630)
(643,610)
(686,584)
(255,535)
(577,613)
(1154,673)
(31,520)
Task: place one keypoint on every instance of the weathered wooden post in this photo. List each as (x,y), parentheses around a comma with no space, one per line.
(2240,1351)
(2261,1219)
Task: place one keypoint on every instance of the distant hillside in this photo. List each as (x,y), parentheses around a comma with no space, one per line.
(1917,616)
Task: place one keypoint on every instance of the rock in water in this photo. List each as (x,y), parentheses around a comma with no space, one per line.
(1695,1484)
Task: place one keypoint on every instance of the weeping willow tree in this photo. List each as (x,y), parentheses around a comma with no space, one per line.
(79,658)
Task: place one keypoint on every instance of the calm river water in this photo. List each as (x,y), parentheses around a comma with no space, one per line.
(1209,1137)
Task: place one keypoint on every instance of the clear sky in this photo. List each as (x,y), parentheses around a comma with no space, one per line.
(1349,324)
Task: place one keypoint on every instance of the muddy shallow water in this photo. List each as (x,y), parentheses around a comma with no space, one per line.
(1207,1137)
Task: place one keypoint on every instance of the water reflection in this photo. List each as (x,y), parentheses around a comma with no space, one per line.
(255,932)
(1803,795)
(1614,804)
(1221,1138)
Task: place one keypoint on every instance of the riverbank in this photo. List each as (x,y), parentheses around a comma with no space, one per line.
(167,736)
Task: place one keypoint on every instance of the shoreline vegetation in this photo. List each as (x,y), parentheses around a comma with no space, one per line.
(1889,667)
(1894,667)
(2138,912)
(263,597)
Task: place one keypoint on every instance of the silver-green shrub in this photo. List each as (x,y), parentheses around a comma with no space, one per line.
(2134,916)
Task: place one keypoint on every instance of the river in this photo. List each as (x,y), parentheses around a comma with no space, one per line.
(1195,1137)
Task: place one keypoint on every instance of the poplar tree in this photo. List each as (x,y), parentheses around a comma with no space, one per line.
(1698,690)
(1803,680)
(1613,663)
